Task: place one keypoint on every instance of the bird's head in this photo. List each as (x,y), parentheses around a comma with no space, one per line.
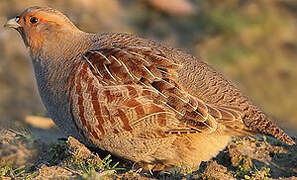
(40,24)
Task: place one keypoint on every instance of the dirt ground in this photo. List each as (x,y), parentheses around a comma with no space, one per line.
(43,153)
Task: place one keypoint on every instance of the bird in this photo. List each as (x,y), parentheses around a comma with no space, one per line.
(136,98)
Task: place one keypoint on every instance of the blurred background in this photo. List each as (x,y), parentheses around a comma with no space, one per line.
(254,43)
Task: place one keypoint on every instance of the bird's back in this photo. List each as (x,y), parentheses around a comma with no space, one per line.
(198,79)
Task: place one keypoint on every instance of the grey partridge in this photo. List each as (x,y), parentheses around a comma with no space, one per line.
(136,98)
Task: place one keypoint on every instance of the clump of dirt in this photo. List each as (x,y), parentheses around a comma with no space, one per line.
(18,148)
(263,155)
(25,158)
(54,172)
(214,170)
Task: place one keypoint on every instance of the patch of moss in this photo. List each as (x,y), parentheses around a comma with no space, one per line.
(86,165)
(89,169)
(243,172)
(57,152)
(22,172)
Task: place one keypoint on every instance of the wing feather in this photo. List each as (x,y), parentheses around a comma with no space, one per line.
(150,69)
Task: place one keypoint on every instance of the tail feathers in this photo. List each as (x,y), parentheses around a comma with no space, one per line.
(264,125)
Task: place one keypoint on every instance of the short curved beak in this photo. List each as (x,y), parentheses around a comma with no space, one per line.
(12,23)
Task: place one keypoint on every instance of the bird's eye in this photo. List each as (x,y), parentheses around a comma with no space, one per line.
(33,20)
(17,18)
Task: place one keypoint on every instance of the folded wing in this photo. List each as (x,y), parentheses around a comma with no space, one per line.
(150,76)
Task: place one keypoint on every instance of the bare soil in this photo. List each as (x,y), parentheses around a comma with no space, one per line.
(27,155)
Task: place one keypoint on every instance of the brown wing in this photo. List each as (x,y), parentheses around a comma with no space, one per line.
(150,71)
